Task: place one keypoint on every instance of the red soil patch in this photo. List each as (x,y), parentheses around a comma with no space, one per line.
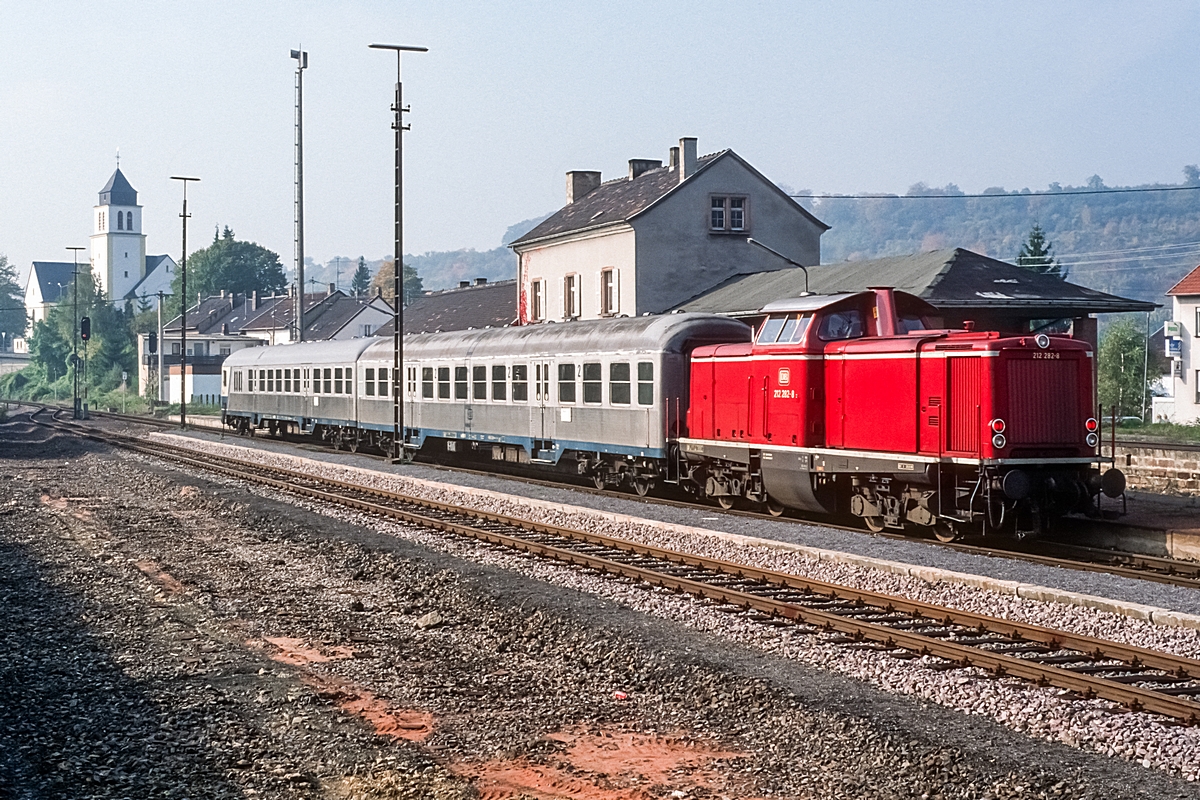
(292,651)
(619,766)
(159,576)
(64,504)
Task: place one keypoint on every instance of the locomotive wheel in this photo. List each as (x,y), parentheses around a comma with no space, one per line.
(642,486)
(945,532)
(874,524)
(725,501)
(775,508)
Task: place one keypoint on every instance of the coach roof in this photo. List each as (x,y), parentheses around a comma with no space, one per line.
(670,332)
(287,355)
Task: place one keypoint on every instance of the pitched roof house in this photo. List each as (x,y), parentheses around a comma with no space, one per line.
(644,242)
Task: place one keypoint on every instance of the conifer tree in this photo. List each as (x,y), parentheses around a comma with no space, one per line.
(1035,254)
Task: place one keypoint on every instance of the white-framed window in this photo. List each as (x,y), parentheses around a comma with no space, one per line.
(566,383)
(443,375)
(593,382)
(571,297)
(610,292)
(479,382)
(538,300)
(618,383)
(460,383)
(729,213)
(499,382)
(520,383)
(226,349)
(369,381)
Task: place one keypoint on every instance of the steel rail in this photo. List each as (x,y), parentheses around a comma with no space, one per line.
(461,521)
(1135,566)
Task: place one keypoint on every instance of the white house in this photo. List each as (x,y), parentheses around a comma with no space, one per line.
(649,240)
(1182,335)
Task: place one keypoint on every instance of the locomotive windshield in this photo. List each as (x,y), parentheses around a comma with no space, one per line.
(784,328)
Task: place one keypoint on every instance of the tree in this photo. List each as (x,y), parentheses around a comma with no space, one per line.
(361,281)
(385,282)
(229,264)
(1121,368)
(1035,254)
(12,302)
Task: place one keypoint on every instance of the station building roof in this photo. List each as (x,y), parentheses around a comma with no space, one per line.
(479,305)
(956,281)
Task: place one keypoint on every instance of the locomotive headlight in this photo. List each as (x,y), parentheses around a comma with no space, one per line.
(1092,440)
(997,426)
(998,441)
(1043,341)
(1091,425)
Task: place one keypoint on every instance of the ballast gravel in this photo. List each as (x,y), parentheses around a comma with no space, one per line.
(1047,713)
(172,635)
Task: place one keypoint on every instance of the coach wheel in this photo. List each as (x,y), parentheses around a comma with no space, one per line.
(946,532)
(598,480)
(775,508)
(725,501)
(874,524)
(337,439)
(642,486)
(352,442)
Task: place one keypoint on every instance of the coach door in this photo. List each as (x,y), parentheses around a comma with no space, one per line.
(541,413)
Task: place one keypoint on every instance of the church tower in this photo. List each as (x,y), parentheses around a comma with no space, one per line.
(118,244)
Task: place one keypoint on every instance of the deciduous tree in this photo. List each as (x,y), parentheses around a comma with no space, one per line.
(1121,365)
(231,265)
(12,302)
(385,282)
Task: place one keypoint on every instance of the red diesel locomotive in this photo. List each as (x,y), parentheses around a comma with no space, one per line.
(850,404)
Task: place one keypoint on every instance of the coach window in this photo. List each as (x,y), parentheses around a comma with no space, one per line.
(327,381)
(337,380)
(279,381)
(479,382)
(592,380)
(369,381)
(249,380)
(618,383)
(645,383)
(270,380)
(412,381)
(460,383)
(237,381)
(306,379)
(499,382)
(520,383)
(427,383)
(443,383)
(837,325)
(566,383)
(287,381)
(349,380)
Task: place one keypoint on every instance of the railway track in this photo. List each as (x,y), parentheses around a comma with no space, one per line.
(1170,571)
(1136,678)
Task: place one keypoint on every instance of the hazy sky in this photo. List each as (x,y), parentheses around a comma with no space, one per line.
(830,96)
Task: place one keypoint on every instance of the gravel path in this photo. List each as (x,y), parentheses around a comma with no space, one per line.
(176,636)
(860,543)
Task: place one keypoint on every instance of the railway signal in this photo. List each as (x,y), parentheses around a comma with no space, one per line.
(85,328)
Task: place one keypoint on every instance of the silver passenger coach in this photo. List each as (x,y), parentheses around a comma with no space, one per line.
(608,395)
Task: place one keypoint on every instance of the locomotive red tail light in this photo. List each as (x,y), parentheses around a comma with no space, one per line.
(1091,425)
(997,426)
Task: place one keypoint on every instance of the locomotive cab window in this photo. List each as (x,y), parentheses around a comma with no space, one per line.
(784,328)
(909,323)
(837,325)
(618,383)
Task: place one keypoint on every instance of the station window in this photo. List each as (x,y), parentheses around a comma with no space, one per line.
(645,383)
(479,382)
(566,383)
(592,378)
(538,299)
(226,349)
(609,292)
(618,383)
(460,383)
(427,383)
(327,380)
(369,381)
(499,382)
(571,296)
(729,213)
(443,383)
(520,383)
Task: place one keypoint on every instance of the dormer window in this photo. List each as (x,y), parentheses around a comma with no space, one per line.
(729,213)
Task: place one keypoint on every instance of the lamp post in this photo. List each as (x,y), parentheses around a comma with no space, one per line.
(774,252)
(75,336)
(399,433)
(183,308)
(301,64)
